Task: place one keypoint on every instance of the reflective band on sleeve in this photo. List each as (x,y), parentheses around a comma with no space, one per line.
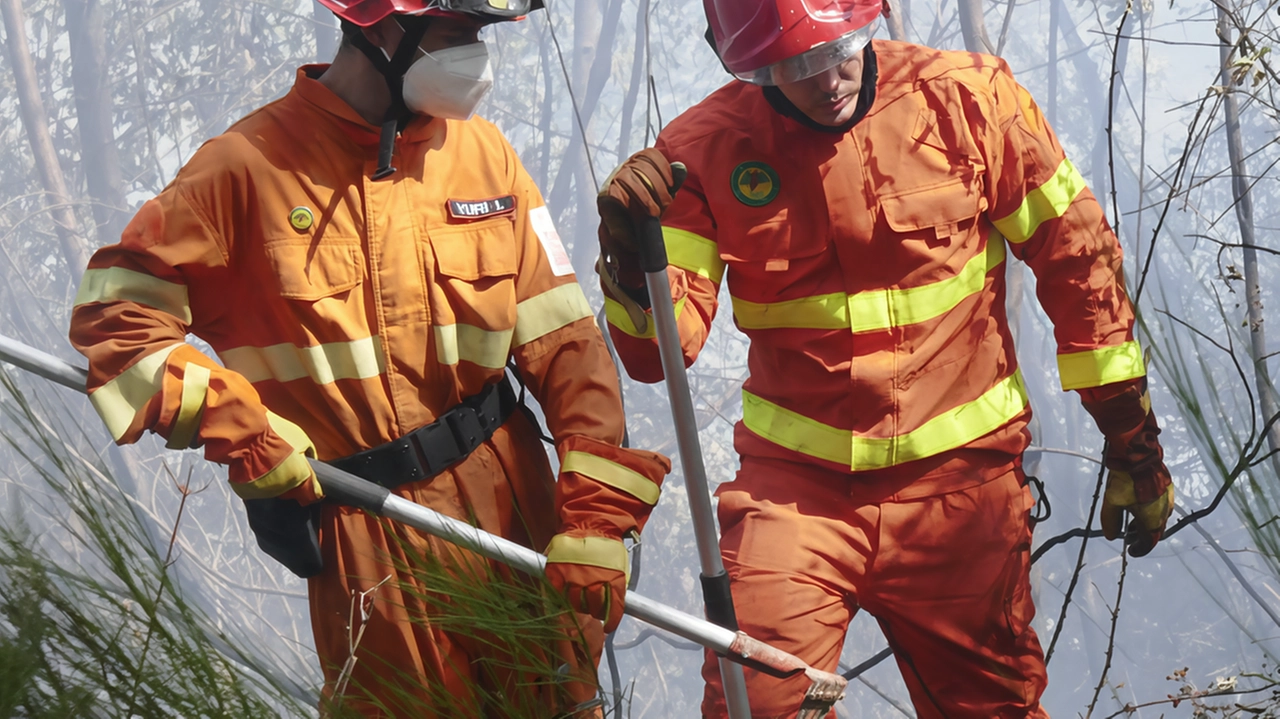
(618,318)
(324,364)
(951,429)
(290,473)
(119,400)
(116,284)
(1105,365)
(290,432)
(613,474)
(486,348)
(1046,202)
(195,390)
(543,314)
(877,309)
(591,551)
(693,253)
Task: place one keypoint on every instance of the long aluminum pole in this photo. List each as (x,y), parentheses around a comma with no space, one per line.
(716,597)
(825,690)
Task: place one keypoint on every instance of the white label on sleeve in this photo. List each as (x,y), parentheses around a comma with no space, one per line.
(545,228)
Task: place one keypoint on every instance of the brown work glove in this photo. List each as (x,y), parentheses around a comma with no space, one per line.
(1138,481)
(605,492)
(640,188)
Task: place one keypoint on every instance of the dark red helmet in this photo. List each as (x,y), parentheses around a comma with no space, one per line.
(367,12)
(771,41)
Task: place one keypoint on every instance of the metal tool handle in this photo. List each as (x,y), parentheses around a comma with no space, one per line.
(352,490)
(716,596)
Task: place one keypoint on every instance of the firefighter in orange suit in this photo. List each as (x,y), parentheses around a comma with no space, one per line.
(365,260)
(861,199)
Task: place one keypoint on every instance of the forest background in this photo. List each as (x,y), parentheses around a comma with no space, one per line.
(1170,111)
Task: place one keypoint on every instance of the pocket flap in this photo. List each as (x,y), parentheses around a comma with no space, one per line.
(469,252)
(944,205)
(778,239)
(308,272)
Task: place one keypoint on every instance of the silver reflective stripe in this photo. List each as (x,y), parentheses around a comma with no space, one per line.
(324,364)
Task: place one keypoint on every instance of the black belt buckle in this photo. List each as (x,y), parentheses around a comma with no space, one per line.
(469,428)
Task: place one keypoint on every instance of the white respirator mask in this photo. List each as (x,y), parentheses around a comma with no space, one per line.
(449,83)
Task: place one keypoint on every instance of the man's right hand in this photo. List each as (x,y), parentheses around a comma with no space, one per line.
(640,188)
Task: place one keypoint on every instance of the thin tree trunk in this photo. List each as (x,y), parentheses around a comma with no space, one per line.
(1244,217)
(637,80)
(86,29)
(896,22)
(548,110)
(1092,82)
(974,28)
(35,120)
(1051,102)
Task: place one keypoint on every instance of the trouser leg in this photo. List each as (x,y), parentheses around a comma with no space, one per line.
(420,653)
(791,564)
(950,587)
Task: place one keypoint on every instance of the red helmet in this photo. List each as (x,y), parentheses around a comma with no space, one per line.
(771,41)
(367,12)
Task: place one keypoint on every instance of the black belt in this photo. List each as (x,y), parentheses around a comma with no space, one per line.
(430,450)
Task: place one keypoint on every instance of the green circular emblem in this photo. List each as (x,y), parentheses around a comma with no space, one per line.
(755,183)
(301,218)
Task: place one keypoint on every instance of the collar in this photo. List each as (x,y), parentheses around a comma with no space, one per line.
(308,88)
(866,97)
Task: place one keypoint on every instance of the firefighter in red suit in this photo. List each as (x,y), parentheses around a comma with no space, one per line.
(862,198)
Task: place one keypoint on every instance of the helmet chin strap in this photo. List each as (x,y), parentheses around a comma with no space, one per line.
(393,71)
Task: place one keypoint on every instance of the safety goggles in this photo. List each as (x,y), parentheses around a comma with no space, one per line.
(496,9)
(814,61)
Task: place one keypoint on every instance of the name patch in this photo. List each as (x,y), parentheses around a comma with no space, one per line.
(479,209)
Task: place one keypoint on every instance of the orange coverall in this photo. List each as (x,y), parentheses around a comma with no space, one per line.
(359,310)
(885,416)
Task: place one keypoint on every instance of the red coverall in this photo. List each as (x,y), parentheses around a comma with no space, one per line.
(360,310)
(884,416)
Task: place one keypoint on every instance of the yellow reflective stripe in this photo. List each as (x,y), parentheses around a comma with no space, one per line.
(591,551)
(820,312)
(613,474)
(290,473)
(119,400)
(794,430)
(693,253)
(1105,365)
(951,429)
(116,284)
(291,433)
(1046,202)
(195,388)
(617,316)
(324,364)
(875,309)
(466,342)
(543,314)
(882,309)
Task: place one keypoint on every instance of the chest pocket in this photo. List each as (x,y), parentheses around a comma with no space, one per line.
(776,254)
(471,288)
(310,271)
(935,213)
